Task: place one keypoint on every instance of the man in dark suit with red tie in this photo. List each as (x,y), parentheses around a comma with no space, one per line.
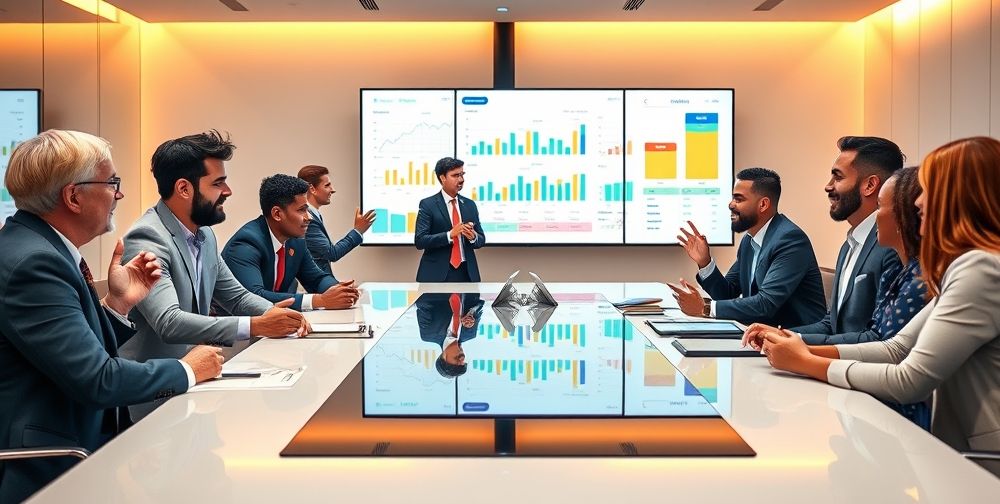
(448,229)
(449,320)
(269,257)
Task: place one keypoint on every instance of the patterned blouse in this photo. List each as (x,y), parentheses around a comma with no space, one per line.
(902,294)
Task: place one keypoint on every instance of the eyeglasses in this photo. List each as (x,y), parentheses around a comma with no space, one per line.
(113,181)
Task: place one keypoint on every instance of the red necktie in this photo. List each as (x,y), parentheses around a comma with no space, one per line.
(456,244)
(87,276)
(280,274)
(456,312)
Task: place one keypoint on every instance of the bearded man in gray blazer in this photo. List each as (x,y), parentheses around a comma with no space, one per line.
(190,176)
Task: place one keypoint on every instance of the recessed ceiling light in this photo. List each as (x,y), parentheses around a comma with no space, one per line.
(502,9)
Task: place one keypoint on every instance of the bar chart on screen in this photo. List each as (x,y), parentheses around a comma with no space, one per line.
(681,163)
(408,131)
(537,163)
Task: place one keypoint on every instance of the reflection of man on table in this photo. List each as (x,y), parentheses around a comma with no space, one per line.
(449,320)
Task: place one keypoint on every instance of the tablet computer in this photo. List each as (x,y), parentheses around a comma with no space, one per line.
(713,348)
(695,329)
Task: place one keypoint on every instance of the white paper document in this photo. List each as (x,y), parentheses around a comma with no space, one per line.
(270,378)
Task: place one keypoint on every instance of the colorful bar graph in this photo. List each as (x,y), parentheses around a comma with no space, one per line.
(618,191)
(412,176)
(383,300)
(535,190)
(661,160)
(618,329)
(616,364)
(701,132)
(575,334)
(574,144)
(387,222)
(524,371)
(424,357)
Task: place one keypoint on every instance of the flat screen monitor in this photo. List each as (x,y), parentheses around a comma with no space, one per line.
(20,119)
(553,166)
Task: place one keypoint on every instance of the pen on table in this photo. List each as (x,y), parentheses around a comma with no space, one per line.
(240,374)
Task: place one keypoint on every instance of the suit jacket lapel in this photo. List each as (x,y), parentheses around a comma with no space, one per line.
(268,252)
(866,250)
(319,221)
(179,238)
(770,238)
(107,333)
(746,260)
(445,211)
(834,309)
(209,268)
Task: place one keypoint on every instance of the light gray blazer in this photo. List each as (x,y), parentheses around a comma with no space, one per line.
(952,348)
(167,322)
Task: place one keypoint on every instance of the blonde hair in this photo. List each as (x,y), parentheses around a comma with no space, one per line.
(42,166)
(962,210)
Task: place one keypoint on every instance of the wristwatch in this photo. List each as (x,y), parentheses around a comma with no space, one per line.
(706,310)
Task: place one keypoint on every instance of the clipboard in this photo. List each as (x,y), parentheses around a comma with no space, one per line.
(352,330)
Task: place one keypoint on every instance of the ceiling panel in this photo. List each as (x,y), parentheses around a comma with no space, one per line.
(519,10)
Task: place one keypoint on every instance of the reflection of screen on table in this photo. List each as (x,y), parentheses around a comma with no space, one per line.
(19,121)
(579,166)
(586,361)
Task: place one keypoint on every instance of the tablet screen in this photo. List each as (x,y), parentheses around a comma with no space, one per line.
(714,327)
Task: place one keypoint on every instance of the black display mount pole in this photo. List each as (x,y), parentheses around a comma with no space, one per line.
(503,55)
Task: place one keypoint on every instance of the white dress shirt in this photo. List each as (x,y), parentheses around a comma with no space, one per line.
(458,206)
(243,323)
(307,299)
(856,239)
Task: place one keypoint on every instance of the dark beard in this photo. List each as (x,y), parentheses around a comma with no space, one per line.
(847,204)
(742,223)
(206,213)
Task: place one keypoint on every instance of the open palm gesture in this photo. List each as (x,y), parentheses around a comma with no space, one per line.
(129,283)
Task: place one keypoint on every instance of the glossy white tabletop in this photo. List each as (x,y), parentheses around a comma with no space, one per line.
(815,443)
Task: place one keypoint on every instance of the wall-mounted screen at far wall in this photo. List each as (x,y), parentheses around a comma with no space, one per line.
(554,166)
(20,119)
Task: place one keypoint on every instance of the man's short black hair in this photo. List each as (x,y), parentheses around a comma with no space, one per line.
(184,158)
(445,165)
(766,183)
(280,191)
(449,370)
(875,155)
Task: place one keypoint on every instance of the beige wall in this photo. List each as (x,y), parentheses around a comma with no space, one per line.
(933,72)
(288,93)
(88,70)
(920,72)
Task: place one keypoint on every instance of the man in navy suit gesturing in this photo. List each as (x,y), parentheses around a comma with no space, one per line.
(448,229)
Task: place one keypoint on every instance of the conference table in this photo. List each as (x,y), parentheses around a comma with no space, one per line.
(814,442)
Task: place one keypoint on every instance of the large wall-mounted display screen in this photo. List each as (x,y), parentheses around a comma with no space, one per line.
(554,166)
(20,119)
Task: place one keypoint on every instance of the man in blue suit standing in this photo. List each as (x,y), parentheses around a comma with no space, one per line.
(775,279)
(62,382)
(323,250)
(448,229)
(449,320)
(269,257)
